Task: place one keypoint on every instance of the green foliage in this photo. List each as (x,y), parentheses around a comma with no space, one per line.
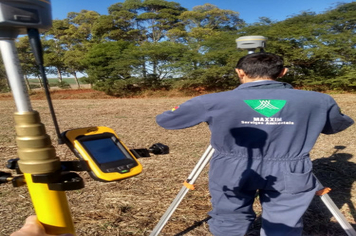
(156,61)
(211,79)
(107,61)
(157,40)
(87,80)
(119,88)
(61,84)
(151,81)
(209,16)
(4,88)
(35,86)
(187,84)
(346,81)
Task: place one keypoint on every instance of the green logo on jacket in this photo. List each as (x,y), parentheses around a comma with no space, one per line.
(266,107)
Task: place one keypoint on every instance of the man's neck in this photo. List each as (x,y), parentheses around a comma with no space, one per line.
(249,80)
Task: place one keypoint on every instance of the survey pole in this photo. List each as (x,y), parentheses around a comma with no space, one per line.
(37,157)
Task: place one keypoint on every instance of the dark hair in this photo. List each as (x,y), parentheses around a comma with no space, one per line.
(263,65)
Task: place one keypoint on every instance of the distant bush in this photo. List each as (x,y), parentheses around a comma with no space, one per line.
(62,85)
(119,88)
(87,80)
(187,84)
(4,88)
(35,86)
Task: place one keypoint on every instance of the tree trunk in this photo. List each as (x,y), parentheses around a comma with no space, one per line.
(144,72)
(59,73)
(40,81)
(27,83)
(154,67)
(76,79)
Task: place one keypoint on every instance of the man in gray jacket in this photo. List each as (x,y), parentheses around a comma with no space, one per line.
(262,133)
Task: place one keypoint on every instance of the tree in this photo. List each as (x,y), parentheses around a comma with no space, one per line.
(211,17)
(73,60)
(67,42)
(55,46)
(208,34)
(143,22)
(159,16)
(81,27)
(118,25)
(161,60)
(27,59)
(339,25)
(107,61)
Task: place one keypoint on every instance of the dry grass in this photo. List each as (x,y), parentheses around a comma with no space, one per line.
(134,206)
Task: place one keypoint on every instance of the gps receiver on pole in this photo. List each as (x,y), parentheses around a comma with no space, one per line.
(251,43)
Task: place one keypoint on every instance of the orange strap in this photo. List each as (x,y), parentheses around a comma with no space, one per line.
(323,191)
(188,185)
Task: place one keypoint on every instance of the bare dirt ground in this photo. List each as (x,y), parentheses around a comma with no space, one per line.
(133,206)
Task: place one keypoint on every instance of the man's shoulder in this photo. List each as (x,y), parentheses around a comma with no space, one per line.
(217,95)
(310,93)
(225,95)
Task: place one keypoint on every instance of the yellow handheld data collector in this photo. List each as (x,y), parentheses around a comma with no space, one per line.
(106,155)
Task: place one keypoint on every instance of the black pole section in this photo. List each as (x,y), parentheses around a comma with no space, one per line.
(36,47)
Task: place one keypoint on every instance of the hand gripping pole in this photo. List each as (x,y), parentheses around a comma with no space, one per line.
(188,184)
(204,160)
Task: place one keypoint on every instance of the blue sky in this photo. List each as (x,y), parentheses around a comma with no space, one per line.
(250,10)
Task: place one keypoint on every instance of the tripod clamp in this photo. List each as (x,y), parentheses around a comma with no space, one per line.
(61,180)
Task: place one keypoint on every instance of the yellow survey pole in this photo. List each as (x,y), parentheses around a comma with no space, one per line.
(38,160)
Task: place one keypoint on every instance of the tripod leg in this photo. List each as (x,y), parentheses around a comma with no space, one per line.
(350,231)
(204,160)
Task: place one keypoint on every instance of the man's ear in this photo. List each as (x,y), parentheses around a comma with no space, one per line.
(240,73)
(283,72)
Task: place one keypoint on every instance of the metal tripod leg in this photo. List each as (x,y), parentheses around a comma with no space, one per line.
(350,231)
(204,160)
